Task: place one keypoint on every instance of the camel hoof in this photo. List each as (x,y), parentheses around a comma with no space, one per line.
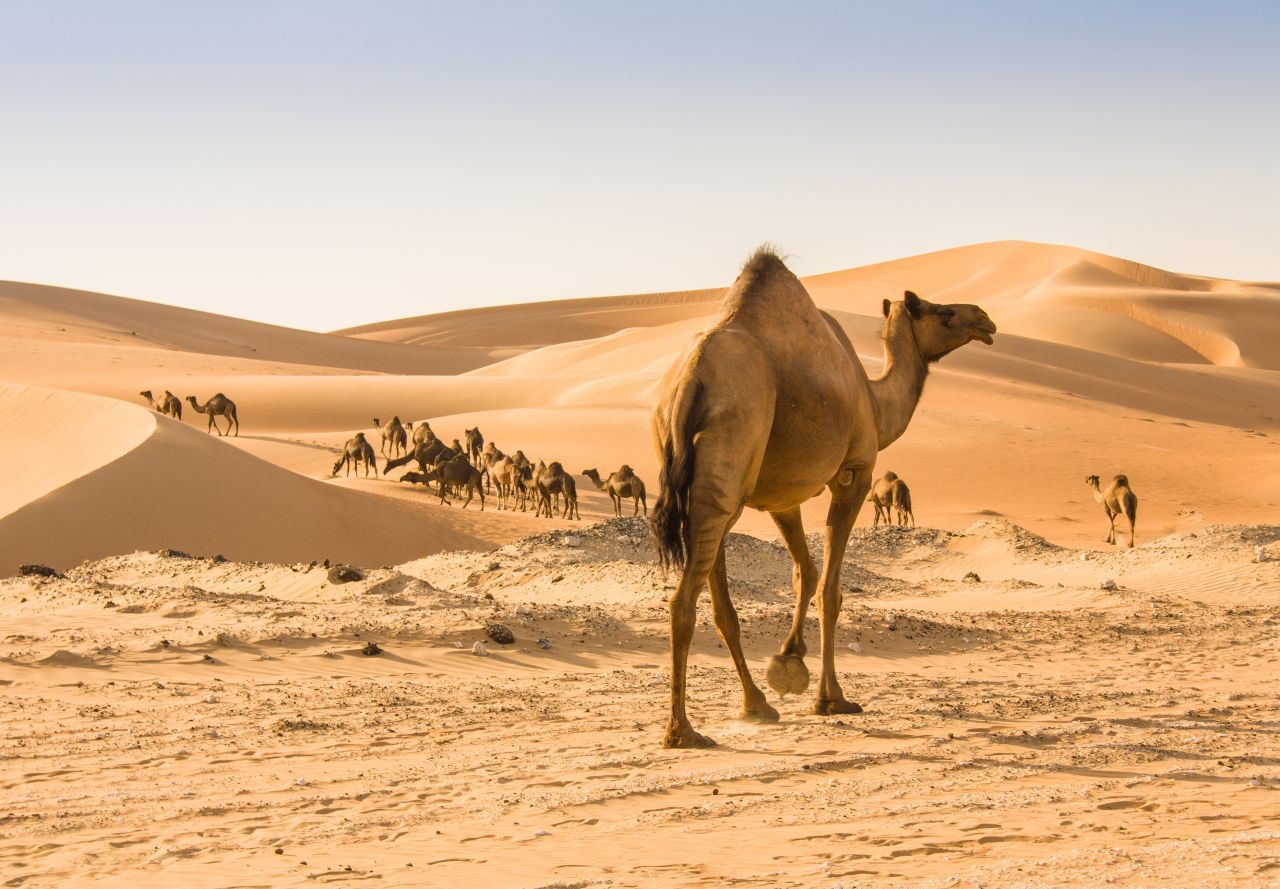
(832,708)
(787,674)
(760,712)
(687,739)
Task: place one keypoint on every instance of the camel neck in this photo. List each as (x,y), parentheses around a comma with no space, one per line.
(896,392)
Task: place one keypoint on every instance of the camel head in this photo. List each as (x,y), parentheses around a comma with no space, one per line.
(941,329)
(591,474)
(146,393)
(377,424)
(1093,482)
(192,399)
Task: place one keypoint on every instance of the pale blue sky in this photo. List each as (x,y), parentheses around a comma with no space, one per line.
(320,164)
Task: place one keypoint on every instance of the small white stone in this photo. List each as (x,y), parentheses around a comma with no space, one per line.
(855,648)
(1108,584)
(302,782)
(480,650)
(542,833)
(1261,554)
(572,541)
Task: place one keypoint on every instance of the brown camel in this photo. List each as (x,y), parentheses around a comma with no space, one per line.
(423,434)
(456,473)
(426,454)
(217,406)
(764,410)
(357,450)
(554,480)
(621,485)
(393,435)
(170,405)
(1116,498)
(889,493)
(489,458)
(475,441)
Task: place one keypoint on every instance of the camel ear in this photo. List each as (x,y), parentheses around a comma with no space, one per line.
(886,308)
(914,304)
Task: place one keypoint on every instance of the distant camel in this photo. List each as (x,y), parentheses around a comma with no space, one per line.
(427,454)
(764,410)
(458,473)
(503,476)
(422,433)
(475,441)
(891,492)
(393,434)
(354,452)
(489,458)
(1116,498)
(621,485)
(170,405)
(217,406)
(554,480)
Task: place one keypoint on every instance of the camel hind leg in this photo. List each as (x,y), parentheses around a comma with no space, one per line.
(1130,504)
(754,706)
(786,672)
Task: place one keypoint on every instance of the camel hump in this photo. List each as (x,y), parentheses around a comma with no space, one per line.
(891,476)
(626,471)
(554,466)
(1121,479)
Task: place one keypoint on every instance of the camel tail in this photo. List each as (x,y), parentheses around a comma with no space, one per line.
(1130,504)
(669,521)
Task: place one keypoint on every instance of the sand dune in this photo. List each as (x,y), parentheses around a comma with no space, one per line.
(125,479)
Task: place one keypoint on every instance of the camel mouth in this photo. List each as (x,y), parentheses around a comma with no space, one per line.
(985,337)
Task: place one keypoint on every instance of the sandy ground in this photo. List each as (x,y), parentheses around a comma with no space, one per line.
(217,723)
(192,716)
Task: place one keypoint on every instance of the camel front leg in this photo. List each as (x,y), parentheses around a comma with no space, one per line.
(754,706)
(786,673)
(1111,534)
(845,501)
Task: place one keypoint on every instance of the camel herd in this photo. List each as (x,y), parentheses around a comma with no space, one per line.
(477,468)
(217,406)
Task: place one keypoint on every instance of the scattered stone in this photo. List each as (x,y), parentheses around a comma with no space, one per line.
(480,650)
(1108,584)
(371,649)
(225,639)
(972,577)
(500,634)
(174,554)
(208,659)
(325,563)
(219,559)
(37,571)
(544,644)
(494,566)
(572,540)
(279,851)
(344,574)
(1260,555)
(855,648)
(109,604)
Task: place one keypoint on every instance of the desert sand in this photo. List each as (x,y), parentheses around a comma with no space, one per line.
(214,719)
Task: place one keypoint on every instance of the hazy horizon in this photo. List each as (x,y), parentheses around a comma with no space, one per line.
(324,165)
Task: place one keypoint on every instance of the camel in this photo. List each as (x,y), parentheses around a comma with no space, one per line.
(217,406)
(355,451)
(393,434)
(457,472)
(764,410)
(426,454)
(889,493)
(422,434)
(623,484)
(1116,498)
(170,405)
(489,458)
(554,480)
(475,441)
